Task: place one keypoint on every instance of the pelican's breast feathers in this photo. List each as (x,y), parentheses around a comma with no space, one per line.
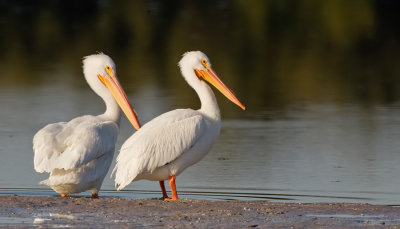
(69,145)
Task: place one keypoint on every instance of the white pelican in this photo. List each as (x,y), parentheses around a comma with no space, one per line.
(173,141)
(78,153)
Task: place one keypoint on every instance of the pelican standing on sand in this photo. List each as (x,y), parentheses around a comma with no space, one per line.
(175,140)
(78,153)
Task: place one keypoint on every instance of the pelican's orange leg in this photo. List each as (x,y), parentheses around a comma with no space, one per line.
(63,195)
(164,192)
(95,195)
(173,189)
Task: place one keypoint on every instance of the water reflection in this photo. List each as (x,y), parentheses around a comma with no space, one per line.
(309,153)
(317,150)
(319,79)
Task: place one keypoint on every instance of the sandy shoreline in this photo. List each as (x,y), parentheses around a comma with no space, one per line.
(34,211)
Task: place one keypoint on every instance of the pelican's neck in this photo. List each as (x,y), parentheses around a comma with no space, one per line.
(113,112)
(209,105)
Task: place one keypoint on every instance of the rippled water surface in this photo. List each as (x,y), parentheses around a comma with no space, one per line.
(313,153)
(320,81)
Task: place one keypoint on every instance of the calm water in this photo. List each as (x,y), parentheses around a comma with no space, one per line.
(312,153)
(320,81)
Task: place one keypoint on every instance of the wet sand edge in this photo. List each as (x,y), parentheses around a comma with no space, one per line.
(88,212)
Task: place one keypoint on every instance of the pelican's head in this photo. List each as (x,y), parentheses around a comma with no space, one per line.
(100,72)
(199,63)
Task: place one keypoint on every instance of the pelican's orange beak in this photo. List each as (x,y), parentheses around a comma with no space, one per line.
(116,90)
(211,77)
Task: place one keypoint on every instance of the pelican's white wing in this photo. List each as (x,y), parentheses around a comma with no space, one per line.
(73,144)
(157,143)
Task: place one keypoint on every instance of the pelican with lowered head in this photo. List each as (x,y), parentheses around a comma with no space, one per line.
(78,153)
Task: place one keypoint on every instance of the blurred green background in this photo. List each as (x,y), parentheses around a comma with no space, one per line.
(272,53)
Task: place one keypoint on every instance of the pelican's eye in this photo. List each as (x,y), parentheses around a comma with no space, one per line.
(109,71)
(204,63)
